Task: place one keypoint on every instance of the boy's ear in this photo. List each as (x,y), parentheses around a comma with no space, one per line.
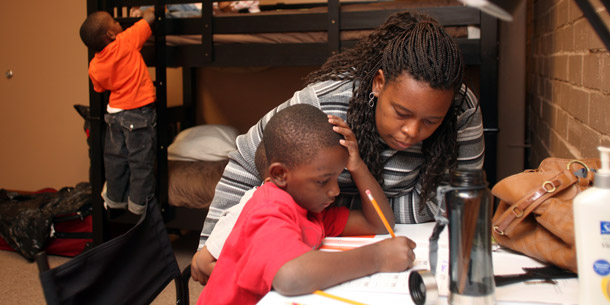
(278,173)
(110,35)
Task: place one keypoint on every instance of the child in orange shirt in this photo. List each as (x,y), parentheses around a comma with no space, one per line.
(131,136)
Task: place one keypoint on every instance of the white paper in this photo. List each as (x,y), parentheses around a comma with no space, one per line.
(392,288)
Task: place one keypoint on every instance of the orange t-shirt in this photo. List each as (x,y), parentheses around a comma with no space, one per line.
(120,68)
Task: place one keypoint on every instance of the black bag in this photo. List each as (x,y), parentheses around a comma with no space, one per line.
(59,220)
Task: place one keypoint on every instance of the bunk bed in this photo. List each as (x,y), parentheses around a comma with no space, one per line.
(273,37)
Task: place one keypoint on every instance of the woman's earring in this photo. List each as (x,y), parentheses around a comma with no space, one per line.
(372,99)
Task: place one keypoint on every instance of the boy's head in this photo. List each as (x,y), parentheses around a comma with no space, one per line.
(260,161)
(304,155)
(98,30)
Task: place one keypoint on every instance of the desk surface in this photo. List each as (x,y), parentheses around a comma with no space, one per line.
(504,262)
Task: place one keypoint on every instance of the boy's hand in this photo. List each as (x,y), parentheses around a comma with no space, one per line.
(354,161)
(135,12)
(202,265)
(149,15)
(395,254)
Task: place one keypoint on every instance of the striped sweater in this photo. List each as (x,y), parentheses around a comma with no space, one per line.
(400,174)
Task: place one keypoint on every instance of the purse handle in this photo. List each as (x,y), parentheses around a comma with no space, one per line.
(517,212)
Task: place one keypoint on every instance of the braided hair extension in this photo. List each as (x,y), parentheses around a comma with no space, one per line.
(412,43)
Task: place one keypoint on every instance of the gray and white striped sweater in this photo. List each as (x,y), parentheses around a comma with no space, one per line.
(400,174)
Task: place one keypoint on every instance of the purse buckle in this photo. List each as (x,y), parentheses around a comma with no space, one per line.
(497,229)
(551,186)
(517,211)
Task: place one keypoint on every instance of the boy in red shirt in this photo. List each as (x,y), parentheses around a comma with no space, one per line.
(118,67)
(275,241)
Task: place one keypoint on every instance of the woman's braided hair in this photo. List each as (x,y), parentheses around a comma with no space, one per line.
(411,43)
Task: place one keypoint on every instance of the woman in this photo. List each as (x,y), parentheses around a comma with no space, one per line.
(400,91)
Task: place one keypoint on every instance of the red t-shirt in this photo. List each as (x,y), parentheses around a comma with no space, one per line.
(120,68)
(271,230)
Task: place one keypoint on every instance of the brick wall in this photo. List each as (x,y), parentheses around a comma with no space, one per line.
(568,82)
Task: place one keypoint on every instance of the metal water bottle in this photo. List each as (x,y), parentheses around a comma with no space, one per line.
(469,207)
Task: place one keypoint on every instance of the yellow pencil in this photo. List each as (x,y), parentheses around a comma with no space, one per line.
(383,219)
(338,298)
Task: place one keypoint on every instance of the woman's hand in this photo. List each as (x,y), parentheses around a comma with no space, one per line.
(354,162)
(368,221)
(202,265)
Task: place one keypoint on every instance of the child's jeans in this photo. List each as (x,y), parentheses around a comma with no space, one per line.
(129,157)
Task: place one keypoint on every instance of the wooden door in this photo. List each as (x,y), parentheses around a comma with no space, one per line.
(42,139)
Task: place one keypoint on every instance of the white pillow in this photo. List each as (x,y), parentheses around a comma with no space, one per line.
(204,143)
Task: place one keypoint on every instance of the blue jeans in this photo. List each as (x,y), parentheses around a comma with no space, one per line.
(129,155)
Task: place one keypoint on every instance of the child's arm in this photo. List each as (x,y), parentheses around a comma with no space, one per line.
(317,270)
(366,221)
(149,15)
(204,260)
(202,265)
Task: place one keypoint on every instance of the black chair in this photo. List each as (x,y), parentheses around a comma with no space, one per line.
(132,268)
(186,276)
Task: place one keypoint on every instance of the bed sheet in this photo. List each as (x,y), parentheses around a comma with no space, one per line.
(192,183)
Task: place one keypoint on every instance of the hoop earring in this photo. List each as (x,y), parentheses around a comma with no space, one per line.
(372,99)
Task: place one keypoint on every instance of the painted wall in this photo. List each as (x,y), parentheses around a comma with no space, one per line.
(511,94)
(239,97)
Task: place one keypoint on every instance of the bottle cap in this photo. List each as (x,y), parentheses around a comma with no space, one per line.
(602,176)
(604,155)
(423,287)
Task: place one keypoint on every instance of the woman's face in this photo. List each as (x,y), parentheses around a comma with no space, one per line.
(408,111)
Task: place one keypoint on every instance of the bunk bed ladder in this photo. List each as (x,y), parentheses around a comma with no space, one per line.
(163,139)
(206,31)
(97,102)
(334,22)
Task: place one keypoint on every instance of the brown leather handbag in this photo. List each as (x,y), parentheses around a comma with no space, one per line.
(535,214)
